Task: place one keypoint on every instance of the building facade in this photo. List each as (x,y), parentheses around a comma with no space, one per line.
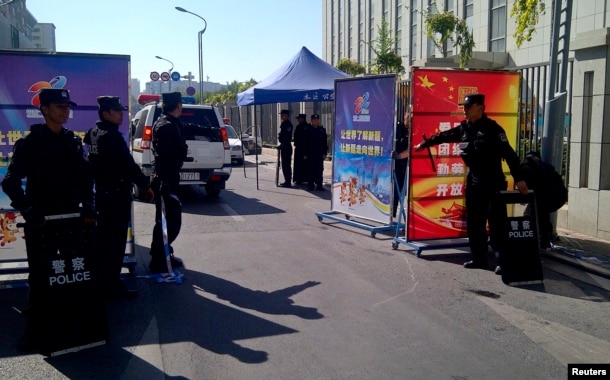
(18,28)
(349,26)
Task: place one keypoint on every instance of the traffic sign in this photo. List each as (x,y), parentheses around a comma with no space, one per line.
(175,76)
(165,76)
(154,76)
(190,91)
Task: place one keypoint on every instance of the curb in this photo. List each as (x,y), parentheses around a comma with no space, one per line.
(579,259)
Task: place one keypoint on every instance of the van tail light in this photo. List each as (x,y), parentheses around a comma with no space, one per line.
(225,137)
(146,137)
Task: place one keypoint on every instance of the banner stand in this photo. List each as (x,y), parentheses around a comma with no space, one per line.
(346,220)
(420,246)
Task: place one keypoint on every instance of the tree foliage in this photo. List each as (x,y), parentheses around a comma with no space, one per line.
(229,92)
(350,67)
(386,59)
(526,13)
(445,26)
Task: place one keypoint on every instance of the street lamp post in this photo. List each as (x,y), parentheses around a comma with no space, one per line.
(170,71)
(200,36)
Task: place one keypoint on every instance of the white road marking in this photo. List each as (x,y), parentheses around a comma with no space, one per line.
(565,344)
(410,290)
(232,213)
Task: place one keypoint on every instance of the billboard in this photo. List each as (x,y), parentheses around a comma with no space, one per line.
(437,180)
(363,141)
(23,75)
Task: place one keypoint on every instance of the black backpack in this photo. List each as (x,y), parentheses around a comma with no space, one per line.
(545,181)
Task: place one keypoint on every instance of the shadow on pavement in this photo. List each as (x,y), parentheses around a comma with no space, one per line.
(186,315)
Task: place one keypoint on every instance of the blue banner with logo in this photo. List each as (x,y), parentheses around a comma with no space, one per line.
(363,143)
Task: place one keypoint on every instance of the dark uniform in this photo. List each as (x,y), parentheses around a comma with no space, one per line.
(285,139)
(400,164)
(483,146)
(170,151)
(299,173)
(58,182)
(114,171)
(316,148)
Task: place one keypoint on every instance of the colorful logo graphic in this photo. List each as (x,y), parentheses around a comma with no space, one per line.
(57,82)
(362,104)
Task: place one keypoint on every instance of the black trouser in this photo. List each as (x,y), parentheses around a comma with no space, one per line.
(482,206)
(173,216)
(286,154)
(300,168)
(114,213)
(315,167)
(400,169)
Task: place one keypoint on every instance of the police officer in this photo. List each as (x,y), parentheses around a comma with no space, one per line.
(483,145)
(170,151)
(401,157)
(285,139)
(58,181)
(114,171)
(316,148)
(300,170)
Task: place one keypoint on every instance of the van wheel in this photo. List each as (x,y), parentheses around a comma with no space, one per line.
(212,191)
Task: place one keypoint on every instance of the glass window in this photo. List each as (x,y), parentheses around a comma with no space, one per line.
(497,26)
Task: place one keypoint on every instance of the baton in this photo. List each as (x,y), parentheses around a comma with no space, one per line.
(430,154)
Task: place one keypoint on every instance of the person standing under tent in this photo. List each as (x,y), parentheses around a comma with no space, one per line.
(285,139)
(299,173)
(316,149)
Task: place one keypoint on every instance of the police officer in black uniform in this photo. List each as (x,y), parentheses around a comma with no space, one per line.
(401,157)
(483,145)
(285,139)
(316,148)
(58,181)
(114,171)
(300,170)
(170,151)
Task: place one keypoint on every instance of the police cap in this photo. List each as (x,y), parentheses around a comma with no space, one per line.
(54,95)
(302,116)
(171,98)
(315,116)
(284,112)
(471,99)
(107,103)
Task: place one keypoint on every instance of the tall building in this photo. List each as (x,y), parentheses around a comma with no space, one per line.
(43,36)
(16,26)
(349,26)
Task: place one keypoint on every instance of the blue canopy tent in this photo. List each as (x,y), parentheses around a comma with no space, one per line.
(305,78)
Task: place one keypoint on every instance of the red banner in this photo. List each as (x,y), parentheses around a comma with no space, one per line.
(437,180)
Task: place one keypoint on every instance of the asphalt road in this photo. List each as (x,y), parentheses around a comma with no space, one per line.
(270,292)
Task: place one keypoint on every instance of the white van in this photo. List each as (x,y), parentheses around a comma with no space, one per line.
(208,160)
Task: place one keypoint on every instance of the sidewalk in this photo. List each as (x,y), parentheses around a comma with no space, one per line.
(581,251)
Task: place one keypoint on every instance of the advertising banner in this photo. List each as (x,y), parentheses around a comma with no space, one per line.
(438,177)
(363,142)
(23,75)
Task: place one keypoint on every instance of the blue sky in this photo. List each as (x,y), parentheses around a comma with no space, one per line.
(244,38)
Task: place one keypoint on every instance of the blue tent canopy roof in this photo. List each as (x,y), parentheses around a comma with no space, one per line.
(305,78)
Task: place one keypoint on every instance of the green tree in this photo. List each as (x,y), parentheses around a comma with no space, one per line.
(526,14)
(386,59)
(445,26)
(350,67)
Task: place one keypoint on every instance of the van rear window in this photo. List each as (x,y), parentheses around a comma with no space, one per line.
(201,124)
